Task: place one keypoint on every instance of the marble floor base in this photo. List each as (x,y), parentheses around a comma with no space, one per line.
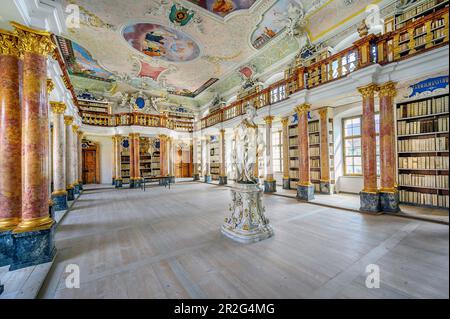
(168,244)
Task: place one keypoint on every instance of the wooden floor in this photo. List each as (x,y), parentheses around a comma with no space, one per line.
(165,243)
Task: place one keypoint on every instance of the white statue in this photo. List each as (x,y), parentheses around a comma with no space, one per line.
(248,144)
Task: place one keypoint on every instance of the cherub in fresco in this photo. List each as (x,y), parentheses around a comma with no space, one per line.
(223,6)
(269,32)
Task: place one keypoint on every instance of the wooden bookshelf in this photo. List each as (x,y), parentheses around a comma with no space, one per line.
(417,11)
(149,157)
(293,156)
(215,157)
(314,153)
(423,150)
(125,160)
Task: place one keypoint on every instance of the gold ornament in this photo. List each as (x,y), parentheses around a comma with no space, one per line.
(368,91)
(50,86)
(303,109)
(9,44)
(269,119)
(68,120)
(58,107)
(34,224)
(33,41)
(388,89)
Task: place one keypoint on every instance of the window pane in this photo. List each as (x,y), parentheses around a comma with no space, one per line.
(357,170)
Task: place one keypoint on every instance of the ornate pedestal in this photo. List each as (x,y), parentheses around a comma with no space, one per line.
(70,194)
(59,201)
(172,179)
(33,248)
(76,189)
(325,188)
(247,222)
(370,202)
(305,193)
(223,180)
(286,183)
(389,202)
(207,179)
(196,177)
(270,186)
(6,248)
(118,183)
(113,181)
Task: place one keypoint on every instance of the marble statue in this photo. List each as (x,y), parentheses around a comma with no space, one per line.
(247,222)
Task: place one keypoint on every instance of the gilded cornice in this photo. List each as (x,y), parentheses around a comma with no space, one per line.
(9,44)
(323,112)
(303,108)
(368,91)
(33,41)
(58,107)
(388,89)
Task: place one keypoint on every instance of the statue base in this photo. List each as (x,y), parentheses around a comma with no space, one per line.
(247,223)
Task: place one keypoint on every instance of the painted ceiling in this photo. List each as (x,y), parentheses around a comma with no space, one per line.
(185,47)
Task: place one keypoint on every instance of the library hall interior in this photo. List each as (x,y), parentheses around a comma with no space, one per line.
(224,149)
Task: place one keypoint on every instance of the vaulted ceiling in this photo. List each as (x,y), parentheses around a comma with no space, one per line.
(183,47)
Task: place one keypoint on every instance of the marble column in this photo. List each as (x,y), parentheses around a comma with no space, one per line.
(132,164)
(325,181)
(171,159)
(33,239)
(305,189)
(118,164)
(286,177)
(68,120)
(369,196)
(164,169)
(59,195)
(223,179)
(80,160)
(135,176)
(196,175)
(76,185)
(269,182)
(208,177)
(114,156)
(389,196)
(10,144)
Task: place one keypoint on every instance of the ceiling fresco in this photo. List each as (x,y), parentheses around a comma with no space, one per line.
(161,42)
(183,47)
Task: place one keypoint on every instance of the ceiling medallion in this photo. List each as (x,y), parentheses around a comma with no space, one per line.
(180,15)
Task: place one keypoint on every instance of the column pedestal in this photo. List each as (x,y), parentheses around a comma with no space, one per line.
(286,183)
(76,189)
(33,248)
(6,248)
(305,193)
(223,180)
(70,193)
(270,186)
(59,201)
(118,183)
(248,227)
(113,181)
(137,183)
(370,202)
(325,188)
(207,179)
(172,179)
(389,202)
(196,177)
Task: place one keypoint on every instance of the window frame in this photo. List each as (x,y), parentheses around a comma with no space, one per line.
(344,138)
(280,149)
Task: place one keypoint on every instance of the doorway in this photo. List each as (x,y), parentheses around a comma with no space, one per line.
(90,166)
(183,163)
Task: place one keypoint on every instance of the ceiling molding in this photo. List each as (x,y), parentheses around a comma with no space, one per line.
(42,14)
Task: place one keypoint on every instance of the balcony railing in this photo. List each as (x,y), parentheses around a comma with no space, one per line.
(426,33)
(140,119)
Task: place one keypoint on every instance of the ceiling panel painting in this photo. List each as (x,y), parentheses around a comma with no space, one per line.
(150,71)
(161,42)
(223,7)
(80,62)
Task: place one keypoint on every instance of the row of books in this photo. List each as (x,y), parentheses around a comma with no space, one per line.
(293,163)
(432,144)
(418,10)
(313,127)
(293,131)
(314,139)
(315,175)
(314,151)
(125,166)
(293,153)
(423,126)
(432,181)
(424,162)
(314,163)
(293,141)
(438,23)
(293,174)
(427,107)
(424,199)
(439,34)
(420,41)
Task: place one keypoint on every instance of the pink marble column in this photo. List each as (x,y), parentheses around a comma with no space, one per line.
(369,195)
(80,160)
(35,45)
(223,179)
(68,120)
(59,194)
(389,198)
(305,189)
(10,133)
(269,182)
(325,182)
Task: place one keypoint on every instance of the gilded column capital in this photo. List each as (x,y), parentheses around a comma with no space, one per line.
(32,40)
(269,119)
(75,128)
(323,112)
(50,86)
(368,91)
(68,119)
(222,131)
(303,108)
(9,44)
(58,107)
(163,137)
(388,89)
(285,121)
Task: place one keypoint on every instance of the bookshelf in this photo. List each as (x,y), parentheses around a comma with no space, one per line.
(215,157)
(423,150)
(293,156)
(314,153)
(331,153)
(125,160)
(415,12)
(149,157)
